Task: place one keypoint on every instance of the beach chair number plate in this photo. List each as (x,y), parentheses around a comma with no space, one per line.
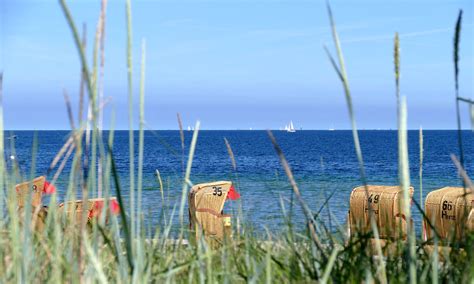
(447,208)
(217,190)
(373,199)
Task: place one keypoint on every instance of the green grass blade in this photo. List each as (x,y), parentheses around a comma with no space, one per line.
(420,172)
(404,176)
(457,39)
(131,141)
(307,212)
(187,175)
(329,266)
(141,138)
(2,155)
(231,154)
(181,135)
(472,116)
(81,51)
(96,264)
(341,71)
(123,216)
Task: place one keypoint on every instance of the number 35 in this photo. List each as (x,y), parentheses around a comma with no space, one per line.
(217,191)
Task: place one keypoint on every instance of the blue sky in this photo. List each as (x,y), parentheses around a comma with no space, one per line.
(241,64)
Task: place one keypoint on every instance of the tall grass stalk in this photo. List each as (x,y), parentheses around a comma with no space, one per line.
(160,182)
(471,108)
(181,136)
(80,49)
(96,263)
(69,110)
(404,176)
(329,266)
(187,176)
(131,141)
(462,172)
(123,216)
(403,165)
(141,138)
(420,172)
(92,100)
(27,248)
(102,21)
(435,263)
(307,212)
(396,56)
(231,154)
(2,155)
(80,113)
(140,245)
(341,71)
(457,39)
(100,80)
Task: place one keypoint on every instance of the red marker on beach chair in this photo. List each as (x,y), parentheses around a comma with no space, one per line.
(48,188)
(233,194)
(98,205)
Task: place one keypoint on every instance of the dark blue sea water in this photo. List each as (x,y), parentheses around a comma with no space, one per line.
(323,162)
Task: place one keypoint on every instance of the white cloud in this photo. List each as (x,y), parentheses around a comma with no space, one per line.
(402,35)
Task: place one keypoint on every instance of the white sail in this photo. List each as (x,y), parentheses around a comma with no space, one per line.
(291,127)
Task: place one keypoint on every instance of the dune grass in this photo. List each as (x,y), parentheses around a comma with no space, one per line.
(125,249)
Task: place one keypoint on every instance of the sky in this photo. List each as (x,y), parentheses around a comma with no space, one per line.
(240,64)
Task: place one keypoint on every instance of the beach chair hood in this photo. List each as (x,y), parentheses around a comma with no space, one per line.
(206,202)
(386,203)
(449,211)
(36,187)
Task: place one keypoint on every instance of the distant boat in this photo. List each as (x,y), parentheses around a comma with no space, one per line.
(331,129)
(290,127)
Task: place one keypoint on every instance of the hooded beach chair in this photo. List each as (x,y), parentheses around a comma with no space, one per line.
(37,187)
(93,207)
(449,211)
(34,187)
(387,207)
(206,203)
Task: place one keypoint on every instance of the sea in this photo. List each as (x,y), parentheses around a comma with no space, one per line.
(324,165)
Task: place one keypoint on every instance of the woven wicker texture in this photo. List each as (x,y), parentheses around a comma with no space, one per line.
(206,202)
(35,187)
(470,220)
(386,203)
(448,209)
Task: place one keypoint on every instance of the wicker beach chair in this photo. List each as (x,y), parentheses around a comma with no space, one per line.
(206,202)
(36,189)
(386,203)
(449,210)
(93,207)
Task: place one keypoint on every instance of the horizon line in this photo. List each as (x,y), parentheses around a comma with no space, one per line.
(258,129)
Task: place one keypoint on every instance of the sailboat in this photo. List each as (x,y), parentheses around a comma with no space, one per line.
(290,127)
